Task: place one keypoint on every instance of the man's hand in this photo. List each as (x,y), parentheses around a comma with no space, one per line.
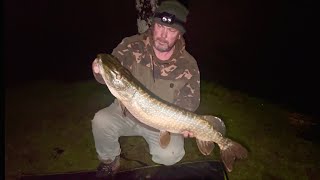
(187,134)
(95,66)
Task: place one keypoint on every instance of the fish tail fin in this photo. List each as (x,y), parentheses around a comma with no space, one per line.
(233,151)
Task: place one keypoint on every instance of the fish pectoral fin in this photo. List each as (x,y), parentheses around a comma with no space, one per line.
(217,123)
(205,147)
(164,139)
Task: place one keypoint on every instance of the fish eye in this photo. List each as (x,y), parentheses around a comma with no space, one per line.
(118,76)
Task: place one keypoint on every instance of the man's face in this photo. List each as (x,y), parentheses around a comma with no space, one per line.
(164,37)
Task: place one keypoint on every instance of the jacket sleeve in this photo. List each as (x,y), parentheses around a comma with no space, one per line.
(123,52)
(189,95)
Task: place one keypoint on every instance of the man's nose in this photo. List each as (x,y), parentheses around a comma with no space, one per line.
(164,33)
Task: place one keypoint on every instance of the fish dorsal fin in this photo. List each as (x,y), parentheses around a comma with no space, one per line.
(164,139)
(216,122)
(205,147)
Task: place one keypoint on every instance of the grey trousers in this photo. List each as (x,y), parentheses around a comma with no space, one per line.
(108,125)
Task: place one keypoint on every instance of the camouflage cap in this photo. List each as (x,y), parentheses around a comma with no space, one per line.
(173,14)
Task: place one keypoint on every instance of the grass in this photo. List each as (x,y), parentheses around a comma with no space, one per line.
(48,129)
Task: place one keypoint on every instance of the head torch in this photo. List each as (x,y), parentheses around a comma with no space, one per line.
(168,18)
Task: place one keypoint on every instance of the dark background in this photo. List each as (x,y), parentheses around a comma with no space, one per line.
(265,48)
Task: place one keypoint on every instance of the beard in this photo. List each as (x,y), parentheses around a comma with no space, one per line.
(162,45)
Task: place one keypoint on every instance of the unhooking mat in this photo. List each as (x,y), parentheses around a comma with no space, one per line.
(190,170)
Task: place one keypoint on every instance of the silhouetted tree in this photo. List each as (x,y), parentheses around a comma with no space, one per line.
(145,10)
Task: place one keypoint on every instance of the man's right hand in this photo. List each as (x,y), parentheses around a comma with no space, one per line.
(95,66)
(96,72)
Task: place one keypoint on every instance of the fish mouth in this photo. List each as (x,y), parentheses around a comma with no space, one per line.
(108,66)
(113,73)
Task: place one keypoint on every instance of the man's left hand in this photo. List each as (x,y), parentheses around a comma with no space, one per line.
(187,134)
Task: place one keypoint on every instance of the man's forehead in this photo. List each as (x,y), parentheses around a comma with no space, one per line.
(166,25)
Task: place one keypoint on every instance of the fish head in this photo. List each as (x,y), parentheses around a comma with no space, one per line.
(116,77)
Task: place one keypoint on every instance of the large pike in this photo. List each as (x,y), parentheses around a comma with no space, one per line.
(154,112)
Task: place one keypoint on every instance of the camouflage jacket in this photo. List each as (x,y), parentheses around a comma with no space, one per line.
(176,80)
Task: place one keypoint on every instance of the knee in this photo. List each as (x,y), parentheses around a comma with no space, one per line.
(101,120)
(222,128)
(168,157)
(219,125)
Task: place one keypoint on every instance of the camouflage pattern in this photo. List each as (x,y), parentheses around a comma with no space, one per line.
(176,80)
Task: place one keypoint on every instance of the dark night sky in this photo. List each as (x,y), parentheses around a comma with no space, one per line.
(262,47)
